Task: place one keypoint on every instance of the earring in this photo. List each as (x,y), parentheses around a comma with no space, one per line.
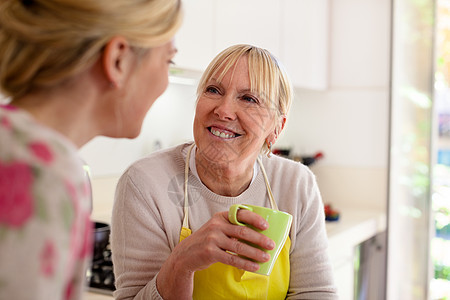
(269,148)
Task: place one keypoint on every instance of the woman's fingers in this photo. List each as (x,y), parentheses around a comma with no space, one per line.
(243,249)
(220,241)
(248,234)
(238,261)
(251,218)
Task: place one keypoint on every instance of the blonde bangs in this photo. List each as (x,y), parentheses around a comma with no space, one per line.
(275,86)
(266,86)
(220,65)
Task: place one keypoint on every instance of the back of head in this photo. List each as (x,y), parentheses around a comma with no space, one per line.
(44,42)
(268,78)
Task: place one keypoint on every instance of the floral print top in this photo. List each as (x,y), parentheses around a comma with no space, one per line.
(45,205)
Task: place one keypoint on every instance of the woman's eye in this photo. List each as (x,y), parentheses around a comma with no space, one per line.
(250,99)
(212,90)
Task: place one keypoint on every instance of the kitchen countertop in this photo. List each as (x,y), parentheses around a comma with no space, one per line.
(353,227)
(97,296)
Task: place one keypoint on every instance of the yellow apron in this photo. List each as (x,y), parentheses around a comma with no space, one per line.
(220,281)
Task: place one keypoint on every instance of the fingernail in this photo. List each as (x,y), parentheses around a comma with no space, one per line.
(255,266)
(264,225)
(266,256)
(270,245)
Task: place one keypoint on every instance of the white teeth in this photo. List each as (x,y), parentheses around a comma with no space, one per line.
(222,134)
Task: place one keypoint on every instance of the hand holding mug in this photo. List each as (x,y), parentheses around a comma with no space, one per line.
(279,227)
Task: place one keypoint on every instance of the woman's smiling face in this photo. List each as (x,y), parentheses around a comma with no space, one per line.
(232,122)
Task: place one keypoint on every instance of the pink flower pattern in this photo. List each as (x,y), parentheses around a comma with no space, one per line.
(44,207)
(8,107)
(49,258)
(41,151)
(68,294)
(16,200)
(5,123)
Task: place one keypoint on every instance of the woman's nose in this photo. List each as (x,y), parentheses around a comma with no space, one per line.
(226,108)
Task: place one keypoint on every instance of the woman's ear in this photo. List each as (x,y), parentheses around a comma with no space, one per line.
(279,126)
(282,123)
(272,138)
(116,61)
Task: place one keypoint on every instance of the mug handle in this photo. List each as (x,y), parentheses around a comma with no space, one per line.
(232,213)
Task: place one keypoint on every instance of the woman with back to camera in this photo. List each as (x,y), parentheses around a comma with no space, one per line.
(171,238)
(72,70)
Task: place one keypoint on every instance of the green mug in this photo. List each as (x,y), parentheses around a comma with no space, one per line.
(279,227)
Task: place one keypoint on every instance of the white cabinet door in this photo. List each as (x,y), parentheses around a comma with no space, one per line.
(195,39)
(255,22)
(343,269)
(295,31)
(361,43)
(305,53)
(344,276)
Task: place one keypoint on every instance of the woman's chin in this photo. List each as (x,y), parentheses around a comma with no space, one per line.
(220,156)
(131,134)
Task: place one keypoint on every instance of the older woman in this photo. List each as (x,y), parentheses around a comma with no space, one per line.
(72,70)
(171,238)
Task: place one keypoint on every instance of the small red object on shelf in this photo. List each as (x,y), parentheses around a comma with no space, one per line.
(330,213)
(309,160)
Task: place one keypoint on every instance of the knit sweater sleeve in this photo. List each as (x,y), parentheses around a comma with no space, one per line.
(311,272)
(134,275)
(297,191)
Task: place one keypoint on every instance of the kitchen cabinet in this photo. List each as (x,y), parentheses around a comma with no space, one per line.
(295,31)
(370,268)
(354,227)
(96,296)
(195,39)
(305,47)
(343,271)
(255,22)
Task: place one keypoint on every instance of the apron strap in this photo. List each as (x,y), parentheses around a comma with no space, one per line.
(269,190)
(186,175)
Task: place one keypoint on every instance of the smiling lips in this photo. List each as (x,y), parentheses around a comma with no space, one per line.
(222,134)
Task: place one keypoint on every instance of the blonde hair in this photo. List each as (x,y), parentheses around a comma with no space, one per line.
(43,42)
(268,78)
